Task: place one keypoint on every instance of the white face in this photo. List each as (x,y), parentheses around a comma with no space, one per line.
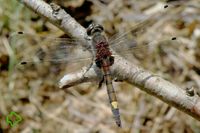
(94,28)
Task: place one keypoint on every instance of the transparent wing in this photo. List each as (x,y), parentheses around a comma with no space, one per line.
(31,49)
(145,48)
(139,37)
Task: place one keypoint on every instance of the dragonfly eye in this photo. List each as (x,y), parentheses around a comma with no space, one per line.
(94,28)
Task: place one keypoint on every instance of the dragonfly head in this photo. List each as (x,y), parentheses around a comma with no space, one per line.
(94,28)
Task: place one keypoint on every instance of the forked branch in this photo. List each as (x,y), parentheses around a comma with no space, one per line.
(150,83)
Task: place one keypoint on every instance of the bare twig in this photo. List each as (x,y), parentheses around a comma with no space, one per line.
(152,84)
(57,16)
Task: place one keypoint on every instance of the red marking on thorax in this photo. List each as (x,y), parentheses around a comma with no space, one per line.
(102,50)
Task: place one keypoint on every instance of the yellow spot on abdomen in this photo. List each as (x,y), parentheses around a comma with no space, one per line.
(114,104)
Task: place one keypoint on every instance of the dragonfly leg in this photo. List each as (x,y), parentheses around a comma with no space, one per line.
(101,82)
(86,48)
(88,38)
(98,63)
(111,60)
(118,80)
(88,67)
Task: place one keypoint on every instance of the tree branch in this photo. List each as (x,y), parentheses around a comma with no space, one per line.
(54,14)
(122,69)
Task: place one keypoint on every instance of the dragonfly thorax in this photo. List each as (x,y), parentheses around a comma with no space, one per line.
(102,50)
(100,44)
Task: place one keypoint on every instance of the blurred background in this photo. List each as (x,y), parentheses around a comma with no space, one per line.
(34,95)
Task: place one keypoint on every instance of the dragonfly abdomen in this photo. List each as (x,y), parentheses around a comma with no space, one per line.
(111,91)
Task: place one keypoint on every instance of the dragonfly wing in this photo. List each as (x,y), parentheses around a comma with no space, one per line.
(145,48)
(139,38)
(31,50)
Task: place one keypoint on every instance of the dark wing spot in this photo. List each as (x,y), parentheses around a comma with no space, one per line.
(165,6)
(41,59)
(7,35)
(23,63)
(20,32)
(24,100)
(173,38)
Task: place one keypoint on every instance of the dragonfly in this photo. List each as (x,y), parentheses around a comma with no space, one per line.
(64,50)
